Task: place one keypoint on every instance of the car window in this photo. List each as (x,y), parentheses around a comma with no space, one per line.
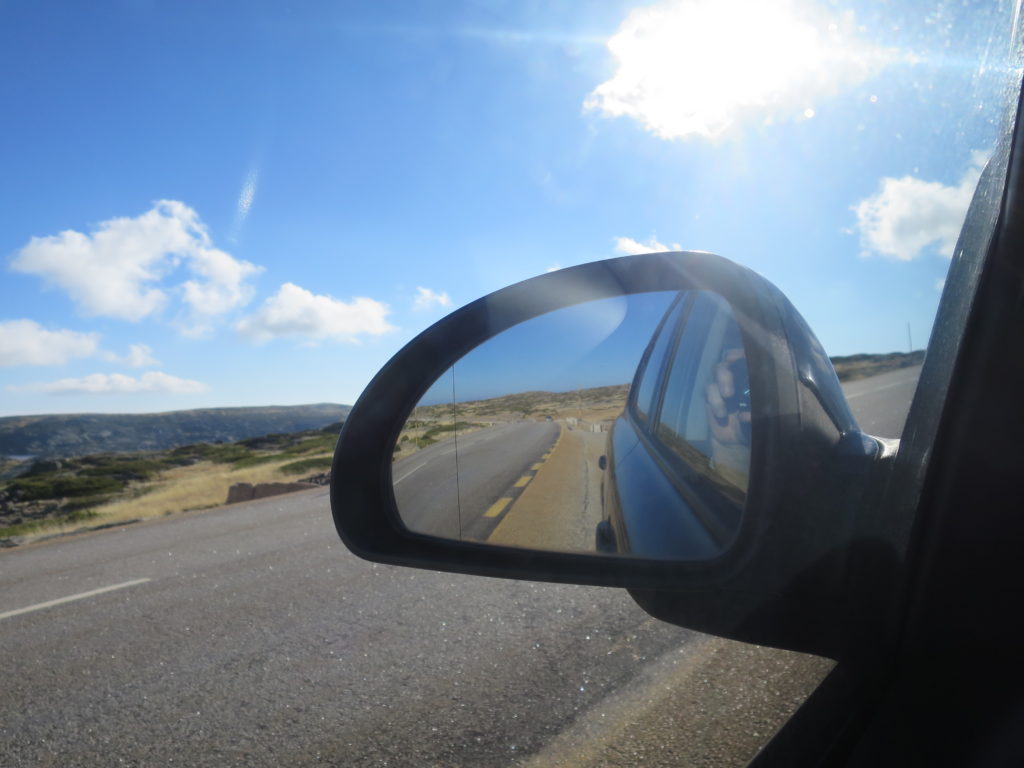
(211,208)
(704,420)
(651,367)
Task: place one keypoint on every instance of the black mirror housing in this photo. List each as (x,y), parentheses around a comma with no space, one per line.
(781,582)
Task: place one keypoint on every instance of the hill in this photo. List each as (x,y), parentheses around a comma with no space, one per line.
(67,435)
(862,366)
(607,400)
(46,494)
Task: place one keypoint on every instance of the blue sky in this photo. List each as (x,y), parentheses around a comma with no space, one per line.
(593,344)
(217,204)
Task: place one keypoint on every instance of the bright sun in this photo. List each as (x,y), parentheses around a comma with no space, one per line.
(696,67)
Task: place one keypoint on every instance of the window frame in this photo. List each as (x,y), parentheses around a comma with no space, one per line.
(683,302)
(940,679)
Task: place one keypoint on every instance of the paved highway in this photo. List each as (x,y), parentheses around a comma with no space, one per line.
(880,403)
(248,635)
(431,500)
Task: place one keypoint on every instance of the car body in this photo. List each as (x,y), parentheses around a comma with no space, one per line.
(673,486)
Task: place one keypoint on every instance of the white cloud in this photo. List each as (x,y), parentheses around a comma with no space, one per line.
(631,247)
(554,268)
(426,298)
(245,197)
(140,356)
(908,215)
(296,312)
(26,342)
(117,383)
(223,286)
(697,67)
(117,270)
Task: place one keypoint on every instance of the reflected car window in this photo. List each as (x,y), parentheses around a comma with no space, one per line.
(704,419)
(647,389)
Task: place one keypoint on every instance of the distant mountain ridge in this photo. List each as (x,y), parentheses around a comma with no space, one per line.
(66,435)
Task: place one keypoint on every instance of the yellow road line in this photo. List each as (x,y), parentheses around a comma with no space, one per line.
(522,481)
(498,507)
(537,466)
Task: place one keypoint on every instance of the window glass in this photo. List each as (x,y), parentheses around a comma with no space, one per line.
(705,414)
(216,209)
(647,390)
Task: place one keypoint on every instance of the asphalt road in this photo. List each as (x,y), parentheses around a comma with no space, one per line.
(436,498)
(880,403)
(248,635)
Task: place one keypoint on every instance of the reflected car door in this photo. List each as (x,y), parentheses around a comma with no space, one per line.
(677,468)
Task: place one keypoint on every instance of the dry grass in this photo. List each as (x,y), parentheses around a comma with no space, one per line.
(181,489)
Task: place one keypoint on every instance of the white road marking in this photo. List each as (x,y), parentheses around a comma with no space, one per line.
(71,598)
(472,437)
(414,469)
(418,467)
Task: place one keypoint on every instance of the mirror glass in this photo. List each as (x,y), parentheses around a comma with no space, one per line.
(619,426)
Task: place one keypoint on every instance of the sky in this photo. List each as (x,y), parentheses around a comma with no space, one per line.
(592,344)
(227,204)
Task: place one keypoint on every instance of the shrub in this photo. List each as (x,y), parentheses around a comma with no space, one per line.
(193,450)
(438,429)
(228,453)
(23,529)
(222,453)
(307,465)
(79,515)
(126,468)
(252,461)
(317,444)
(33,489)
(85,502)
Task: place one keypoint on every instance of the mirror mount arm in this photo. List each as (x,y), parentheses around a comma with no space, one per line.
(839,415)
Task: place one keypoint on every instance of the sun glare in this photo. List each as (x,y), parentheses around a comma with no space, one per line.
(693,68)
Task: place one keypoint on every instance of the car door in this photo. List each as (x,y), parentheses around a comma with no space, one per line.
(677,467)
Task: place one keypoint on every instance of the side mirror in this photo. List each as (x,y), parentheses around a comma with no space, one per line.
(666,423)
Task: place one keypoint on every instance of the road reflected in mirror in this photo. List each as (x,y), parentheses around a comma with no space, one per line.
(619,426)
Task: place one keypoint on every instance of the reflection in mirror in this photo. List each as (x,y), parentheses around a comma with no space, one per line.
(533,439)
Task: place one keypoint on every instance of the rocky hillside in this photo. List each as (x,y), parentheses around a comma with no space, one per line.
(39,494)
(65,435)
